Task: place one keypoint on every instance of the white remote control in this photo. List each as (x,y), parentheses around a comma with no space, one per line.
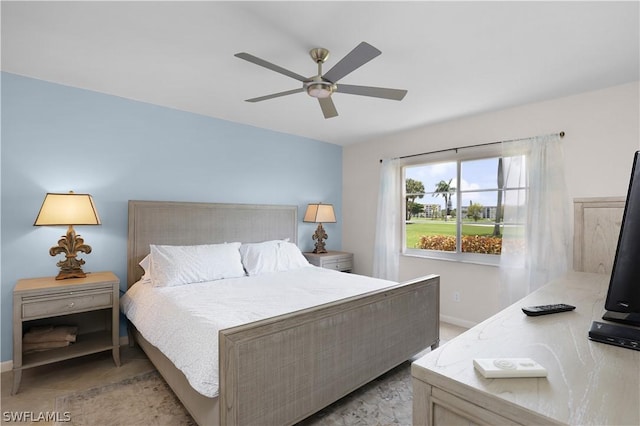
(494,368)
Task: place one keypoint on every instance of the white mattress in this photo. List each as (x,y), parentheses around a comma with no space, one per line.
(183,322)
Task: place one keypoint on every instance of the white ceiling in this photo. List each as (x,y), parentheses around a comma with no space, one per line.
(454,58)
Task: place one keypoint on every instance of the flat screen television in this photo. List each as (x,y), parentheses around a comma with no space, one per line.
(623,298)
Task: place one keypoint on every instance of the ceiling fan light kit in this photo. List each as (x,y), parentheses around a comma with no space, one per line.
(322,86)
(319,88)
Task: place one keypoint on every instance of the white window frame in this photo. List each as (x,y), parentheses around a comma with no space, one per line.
(458,156)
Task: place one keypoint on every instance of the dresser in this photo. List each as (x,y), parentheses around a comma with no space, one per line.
(91,304)
(336,260)
(588,383)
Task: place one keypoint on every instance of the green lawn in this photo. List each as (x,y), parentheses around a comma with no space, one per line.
(419,227)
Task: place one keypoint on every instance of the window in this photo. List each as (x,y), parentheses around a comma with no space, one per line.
(454,208)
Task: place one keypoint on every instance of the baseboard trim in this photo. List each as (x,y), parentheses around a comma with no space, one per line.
(457,321)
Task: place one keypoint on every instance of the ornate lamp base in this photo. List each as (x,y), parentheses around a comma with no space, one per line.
(69,272)
(320,235)
(70,245)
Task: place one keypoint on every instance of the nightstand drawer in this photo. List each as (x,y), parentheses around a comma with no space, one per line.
(66,303)
(345,264)
(337,260)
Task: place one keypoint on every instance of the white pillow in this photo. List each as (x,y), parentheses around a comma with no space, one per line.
(271,256)
(145,264)
(259,258)
(290,257)
(178,265)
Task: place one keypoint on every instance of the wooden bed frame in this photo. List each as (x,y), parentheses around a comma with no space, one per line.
(280,370)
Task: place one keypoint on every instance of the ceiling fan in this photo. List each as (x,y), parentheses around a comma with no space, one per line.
(322,86)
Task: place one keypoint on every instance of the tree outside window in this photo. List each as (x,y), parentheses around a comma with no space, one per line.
(413,189)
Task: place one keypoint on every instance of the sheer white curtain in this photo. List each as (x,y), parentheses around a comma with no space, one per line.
(537,252)
(386,255)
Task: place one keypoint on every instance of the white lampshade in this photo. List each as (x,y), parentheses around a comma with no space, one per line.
(67,209)
(320,213)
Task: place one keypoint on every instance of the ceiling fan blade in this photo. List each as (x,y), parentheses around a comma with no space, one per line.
(375,92)
(328,108)
(275,95)
(269,65)
(359,56)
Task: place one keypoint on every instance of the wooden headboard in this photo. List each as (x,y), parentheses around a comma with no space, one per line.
(596,228)
(188,223)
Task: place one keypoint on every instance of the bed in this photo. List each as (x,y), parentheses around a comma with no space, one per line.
(363,335)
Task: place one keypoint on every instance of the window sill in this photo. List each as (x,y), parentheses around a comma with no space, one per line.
(472,258)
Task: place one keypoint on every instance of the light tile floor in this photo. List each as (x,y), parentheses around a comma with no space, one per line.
(41,385)
(450,331)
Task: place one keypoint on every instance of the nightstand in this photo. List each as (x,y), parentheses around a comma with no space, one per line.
(336,260)
(91,304)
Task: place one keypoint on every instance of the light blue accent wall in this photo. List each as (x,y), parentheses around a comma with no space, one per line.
(57,138)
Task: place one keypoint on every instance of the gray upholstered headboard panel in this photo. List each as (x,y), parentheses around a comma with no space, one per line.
(596,228)
(188,223)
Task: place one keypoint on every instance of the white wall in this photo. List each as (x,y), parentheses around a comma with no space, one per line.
(602,132)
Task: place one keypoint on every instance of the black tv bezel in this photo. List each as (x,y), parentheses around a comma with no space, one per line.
(613,313)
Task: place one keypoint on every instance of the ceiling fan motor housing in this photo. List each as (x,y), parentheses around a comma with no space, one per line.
(319,88)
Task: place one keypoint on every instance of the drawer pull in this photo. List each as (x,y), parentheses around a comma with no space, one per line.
(72,304)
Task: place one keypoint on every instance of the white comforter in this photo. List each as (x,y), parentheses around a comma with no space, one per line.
(183,322)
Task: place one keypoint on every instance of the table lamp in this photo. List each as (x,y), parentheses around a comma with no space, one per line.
(319,213)
(68,209)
